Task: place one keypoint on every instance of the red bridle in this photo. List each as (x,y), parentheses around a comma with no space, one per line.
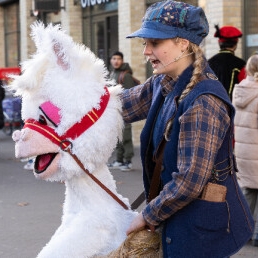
(73,132)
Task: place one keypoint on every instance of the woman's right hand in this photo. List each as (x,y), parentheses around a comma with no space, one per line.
(138,223)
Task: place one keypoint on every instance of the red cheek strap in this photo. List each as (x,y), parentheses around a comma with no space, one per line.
(47,131)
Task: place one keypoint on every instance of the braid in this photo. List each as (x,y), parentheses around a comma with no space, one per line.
(197,72)
(198,65)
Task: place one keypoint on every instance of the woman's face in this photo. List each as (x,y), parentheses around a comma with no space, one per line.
(161,53)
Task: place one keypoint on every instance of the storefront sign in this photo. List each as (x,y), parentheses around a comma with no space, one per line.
(252,40)
(86,3)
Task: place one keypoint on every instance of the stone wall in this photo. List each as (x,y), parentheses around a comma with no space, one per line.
(130,13)
(2,41)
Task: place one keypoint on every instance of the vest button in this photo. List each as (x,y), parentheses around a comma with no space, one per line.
(168,240)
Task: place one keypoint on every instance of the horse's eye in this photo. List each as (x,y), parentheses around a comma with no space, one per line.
(42,120)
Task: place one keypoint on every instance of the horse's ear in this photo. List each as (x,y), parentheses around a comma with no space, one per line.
(37,33)
(61,57)
(44,36)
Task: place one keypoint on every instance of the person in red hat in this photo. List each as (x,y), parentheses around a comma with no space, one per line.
(229,68)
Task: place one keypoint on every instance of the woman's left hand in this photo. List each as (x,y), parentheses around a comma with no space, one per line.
(137,224)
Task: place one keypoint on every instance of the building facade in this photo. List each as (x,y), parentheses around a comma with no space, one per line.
(103,25)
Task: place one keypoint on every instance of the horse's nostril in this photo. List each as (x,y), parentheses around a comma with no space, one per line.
(16,135)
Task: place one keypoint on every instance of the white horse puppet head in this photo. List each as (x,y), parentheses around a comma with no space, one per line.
(66,105)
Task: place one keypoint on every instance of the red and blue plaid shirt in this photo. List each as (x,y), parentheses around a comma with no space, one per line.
(194,170)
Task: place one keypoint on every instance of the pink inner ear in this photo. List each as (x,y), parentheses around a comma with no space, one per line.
(60,56)
(51,111)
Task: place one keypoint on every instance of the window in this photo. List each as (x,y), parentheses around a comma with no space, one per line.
(12,35)
(250,33)
(100,29)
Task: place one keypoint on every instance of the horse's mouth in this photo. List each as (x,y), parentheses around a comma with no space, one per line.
(43,161)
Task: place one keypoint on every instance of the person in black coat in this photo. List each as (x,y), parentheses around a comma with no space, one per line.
(229,68)
(121,72)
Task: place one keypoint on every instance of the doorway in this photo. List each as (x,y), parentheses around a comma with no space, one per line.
(105,37)
(100,29)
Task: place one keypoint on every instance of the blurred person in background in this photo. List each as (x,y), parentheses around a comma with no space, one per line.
(122,73)
(245,101)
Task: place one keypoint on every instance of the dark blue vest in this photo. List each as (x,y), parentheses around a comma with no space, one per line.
(202,228)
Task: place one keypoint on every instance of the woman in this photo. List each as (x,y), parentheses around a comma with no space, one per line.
(245,100)
(189,118)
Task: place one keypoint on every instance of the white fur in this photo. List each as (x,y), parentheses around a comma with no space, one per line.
(73,78)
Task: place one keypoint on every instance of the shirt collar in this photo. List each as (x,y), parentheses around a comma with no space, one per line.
(167,85)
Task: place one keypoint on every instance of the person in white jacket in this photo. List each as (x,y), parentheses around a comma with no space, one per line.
(245,101)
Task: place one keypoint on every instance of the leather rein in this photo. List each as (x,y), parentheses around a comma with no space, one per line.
(96,180)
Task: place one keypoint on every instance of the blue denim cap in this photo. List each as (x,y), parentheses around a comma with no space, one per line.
(171,19)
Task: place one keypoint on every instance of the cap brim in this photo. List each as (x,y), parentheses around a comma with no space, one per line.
(150,34)
(154,30)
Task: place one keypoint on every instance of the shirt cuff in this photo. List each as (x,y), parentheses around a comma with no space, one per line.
(150,217)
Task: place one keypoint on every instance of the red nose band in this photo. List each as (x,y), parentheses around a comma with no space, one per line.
(76,130)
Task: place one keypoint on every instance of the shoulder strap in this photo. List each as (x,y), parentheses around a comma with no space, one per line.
(155,181)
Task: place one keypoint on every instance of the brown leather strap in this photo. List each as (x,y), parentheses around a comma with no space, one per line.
(155,181)
(97,181)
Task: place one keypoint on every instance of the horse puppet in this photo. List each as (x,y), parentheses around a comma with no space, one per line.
(72,115)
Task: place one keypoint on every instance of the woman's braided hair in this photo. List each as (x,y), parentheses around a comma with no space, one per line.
(198,64)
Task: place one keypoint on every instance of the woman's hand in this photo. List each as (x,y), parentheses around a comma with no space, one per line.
(138,223)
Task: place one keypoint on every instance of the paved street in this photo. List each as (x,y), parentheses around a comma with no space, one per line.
(30,209)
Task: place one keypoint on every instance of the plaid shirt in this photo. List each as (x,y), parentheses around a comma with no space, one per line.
(197,148)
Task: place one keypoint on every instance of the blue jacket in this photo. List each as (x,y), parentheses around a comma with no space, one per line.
(202,228)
